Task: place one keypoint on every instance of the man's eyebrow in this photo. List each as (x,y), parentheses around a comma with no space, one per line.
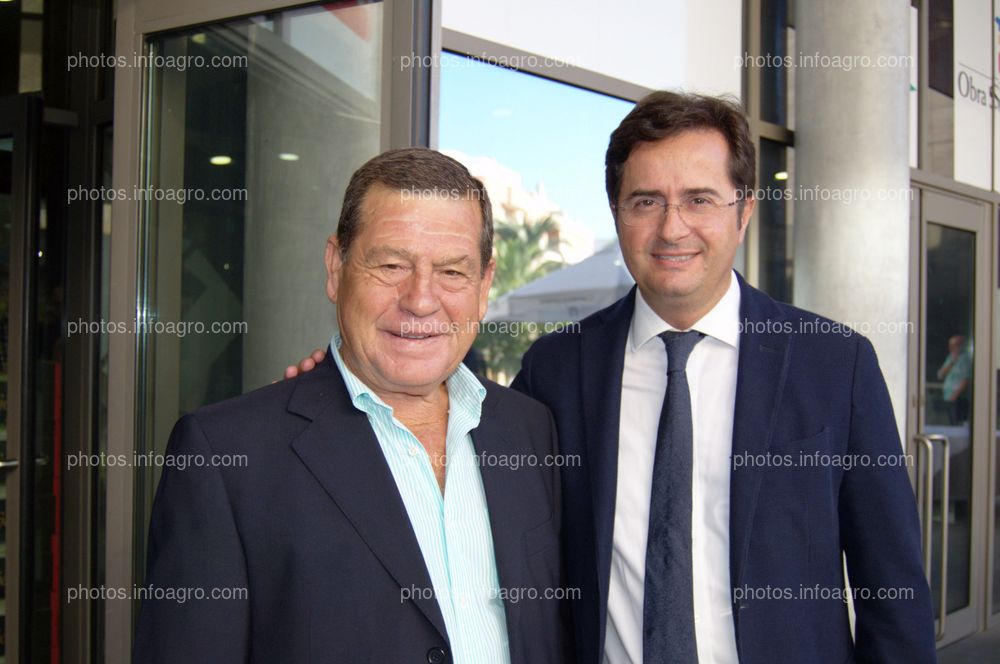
(384,251)
(464,259)
(691,191)
(645,192)
(694,191)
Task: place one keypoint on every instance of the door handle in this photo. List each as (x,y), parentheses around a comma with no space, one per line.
(927,441)
(11,464)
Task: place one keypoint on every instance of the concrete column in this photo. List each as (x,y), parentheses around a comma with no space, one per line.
(852,210)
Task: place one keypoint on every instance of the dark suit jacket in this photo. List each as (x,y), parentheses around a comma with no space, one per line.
(796,393)
(314,527)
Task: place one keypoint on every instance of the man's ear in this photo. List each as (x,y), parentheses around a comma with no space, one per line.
(484,287)
(334,265)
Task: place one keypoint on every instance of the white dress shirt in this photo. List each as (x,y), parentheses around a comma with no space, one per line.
(711,374)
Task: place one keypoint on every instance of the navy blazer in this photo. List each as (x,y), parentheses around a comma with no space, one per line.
(314,528)
(797,394)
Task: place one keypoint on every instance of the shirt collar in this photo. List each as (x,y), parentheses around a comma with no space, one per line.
(464,389)
(722,321)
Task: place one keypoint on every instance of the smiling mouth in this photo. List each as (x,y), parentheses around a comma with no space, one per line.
(674,258)
(403,335)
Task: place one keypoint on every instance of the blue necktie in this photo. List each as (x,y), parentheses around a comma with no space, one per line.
(668,635)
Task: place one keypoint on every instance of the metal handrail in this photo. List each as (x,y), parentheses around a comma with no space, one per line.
(927,442)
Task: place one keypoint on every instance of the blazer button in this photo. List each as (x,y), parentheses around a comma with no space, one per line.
(436,656)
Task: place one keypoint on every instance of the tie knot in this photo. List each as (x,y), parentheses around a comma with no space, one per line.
(679,346)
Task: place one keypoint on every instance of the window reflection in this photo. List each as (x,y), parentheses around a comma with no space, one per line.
(255,128)
(538,146)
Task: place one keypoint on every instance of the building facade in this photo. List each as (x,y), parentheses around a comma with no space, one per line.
(169,173)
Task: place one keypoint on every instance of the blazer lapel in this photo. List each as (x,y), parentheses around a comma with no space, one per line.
(602,362)
(340,449)
(762,368)
(509,515)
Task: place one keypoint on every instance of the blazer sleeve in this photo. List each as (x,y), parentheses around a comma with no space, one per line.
(522,381)
(194,549)
(880,532)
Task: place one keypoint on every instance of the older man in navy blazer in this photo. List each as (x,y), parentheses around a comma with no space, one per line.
(735,449)
(375,519)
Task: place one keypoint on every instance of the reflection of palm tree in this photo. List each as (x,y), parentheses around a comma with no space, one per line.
(523,254)
(521,251)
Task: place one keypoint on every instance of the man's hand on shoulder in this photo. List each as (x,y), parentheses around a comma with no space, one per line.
(306,364)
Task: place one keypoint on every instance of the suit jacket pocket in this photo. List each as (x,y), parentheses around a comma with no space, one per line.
(817,441)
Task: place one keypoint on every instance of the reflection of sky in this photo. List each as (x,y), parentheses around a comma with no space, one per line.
(546,131)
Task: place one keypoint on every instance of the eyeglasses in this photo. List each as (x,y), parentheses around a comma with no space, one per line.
(644,209)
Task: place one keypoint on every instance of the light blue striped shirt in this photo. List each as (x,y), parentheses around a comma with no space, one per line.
(453,530)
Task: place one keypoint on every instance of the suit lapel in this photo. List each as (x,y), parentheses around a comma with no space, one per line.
(602,362)
(508,514)
(762,368)
(340,449)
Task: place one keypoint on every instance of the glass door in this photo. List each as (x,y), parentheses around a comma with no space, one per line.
(952,444)
(19,126)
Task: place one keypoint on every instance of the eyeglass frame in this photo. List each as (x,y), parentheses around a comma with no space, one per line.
(665,209)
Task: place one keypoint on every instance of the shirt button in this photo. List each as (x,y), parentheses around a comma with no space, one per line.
(412,451)
(436,656)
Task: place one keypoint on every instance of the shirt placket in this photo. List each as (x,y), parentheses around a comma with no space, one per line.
(425,483)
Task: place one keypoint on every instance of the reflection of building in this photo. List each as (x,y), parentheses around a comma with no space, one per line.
(568,294)
(513,201)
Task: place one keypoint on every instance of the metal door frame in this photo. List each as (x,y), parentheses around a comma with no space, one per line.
(21,118)
(952,211)
(410,27)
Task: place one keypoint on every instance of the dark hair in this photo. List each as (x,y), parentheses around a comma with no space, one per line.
(664,114)
(420,172)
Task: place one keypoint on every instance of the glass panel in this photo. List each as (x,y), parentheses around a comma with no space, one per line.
(950,306)
(6,165)
(256,126)
(776,72)
(940,96)
(106,81)
(21,40)
(47,365)
(30,79)
(973,87)
(538,146)
(774,216)
(959,98)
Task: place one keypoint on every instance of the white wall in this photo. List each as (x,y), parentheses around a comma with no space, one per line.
(656,44)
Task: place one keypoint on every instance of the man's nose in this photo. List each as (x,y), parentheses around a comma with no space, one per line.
(417,295)
(672,226)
